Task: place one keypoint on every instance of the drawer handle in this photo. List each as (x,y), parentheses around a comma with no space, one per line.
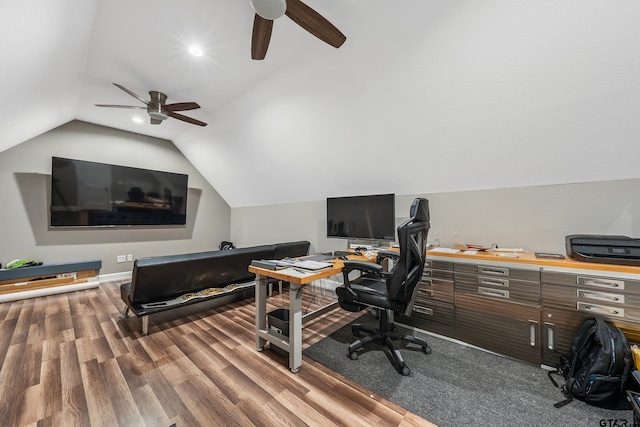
(600,309)
(533,325)
(495,282)
(427,263)
(426,273)
(601,283)
(423,310)
(498,271)
(425,292)
(601,296)
(493,292)
(550,336)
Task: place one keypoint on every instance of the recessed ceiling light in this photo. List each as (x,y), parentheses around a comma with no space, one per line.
(195,51)
(137,119)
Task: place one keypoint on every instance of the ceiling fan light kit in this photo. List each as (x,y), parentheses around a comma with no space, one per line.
(269,9)
(158,109)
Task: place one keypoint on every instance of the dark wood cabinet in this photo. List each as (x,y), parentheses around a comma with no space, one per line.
(433,308)
(508,328)
(525,308)
(497,307)
(569,298)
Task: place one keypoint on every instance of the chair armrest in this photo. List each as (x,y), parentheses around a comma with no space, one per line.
(382,255)
(364,266)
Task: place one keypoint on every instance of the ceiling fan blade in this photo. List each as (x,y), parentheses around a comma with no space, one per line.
(182,106)
(186,119)
(135,95)
(154,121)
(122,106)
(314,23)
(260,37)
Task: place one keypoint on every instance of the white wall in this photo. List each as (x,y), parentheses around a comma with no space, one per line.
(535,218)
(440,96)
(25,176)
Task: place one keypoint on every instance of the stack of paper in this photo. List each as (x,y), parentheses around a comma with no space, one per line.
(312,265)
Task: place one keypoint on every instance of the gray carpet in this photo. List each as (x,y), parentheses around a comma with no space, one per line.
(457,385)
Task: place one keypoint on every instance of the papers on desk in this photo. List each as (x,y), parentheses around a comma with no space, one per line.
(279,264)
(295,272)
(312,265)
(445,250)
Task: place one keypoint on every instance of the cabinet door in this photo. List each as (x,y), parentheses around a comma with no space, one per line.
(558,329)
(504,327)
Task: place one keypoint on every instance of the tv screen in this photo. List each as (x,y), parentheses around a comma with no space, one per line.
(361,217)
(87,194)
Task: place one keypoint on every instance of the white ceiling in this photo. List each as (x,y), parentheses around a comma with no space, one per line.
(424,96)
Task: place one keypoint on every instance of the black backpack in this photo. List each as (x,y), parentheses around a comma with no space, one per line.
(598,366)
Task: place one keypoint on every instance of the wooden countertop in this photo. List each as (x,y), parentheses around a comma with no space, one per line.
(526,258)
(338,265)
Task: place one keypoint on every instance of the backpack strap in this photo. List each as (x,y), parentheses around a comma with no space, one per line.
(563,389)
(563,402)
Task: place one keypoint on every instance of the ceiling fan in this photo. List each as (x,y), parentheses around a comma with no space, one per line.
(269,10)
(157,108)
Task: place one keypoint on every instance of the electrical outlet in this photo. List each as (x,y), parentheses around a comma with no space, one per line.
(121,258)
(129,257)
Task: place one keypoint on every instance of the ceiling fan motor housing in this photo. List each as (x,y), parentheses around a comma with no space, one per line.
(155,107)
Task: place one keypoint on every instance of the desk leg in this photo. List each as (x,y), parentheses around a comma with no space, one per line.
(295,327)
(261,310)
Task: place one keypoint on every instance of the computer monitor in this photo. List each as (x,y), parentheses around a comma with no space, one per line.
(370,217)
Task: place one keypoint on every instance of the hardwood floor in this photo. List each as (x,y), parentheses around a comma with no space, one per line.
(68,360)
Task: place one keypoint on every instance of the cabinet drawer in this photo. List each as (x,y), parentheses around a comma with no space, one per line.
(498,287)
(436,290)
(605,284)
(610,304)
(429,273)
(504,327)
(438,265)
(498,271)
(432,316)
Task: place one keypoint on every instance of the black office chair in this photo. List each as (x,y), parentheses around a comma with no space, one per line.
(391,291)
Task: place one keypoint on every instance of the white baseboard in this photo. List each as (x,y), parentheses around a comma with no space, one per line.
(33,293)
(112,277)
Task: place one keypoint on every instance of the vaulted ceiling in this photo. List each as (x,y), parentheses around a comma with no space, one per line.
(424,95)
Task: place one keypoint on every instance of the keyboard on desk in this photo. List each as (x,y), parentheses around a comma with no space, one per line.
(338,254)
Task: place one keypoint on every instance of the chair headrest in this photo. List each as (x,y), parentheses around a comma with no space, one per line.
(420,210)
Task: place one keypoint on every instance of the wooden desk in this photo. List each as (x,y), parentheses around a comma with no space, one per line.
(293,343)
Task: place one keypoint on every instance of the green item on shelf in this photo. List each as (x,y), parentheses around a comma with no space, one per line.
(17,263)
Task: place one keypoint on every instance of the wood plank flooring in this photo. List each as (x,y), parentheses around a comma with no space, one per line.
(68,360)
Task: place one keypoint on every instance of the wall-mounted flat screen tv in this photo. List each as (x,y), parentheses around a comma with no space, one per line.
(362,217)
(91,194)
